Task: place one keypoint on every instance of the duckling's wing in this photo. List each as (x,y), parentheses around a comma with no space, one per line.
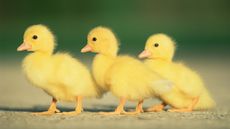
(162,86)
(189,82)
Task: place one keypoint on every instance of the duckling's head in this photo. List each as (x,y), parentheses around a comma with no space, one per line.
(101,40)
(38,38)
(159,46)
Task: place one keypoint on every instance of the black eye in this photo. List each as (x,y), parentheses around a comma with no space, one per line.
(156,45)
(94,39)
(35,37)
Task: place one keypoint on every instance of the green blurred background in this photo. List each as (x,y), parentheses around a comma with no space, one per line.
(200,27)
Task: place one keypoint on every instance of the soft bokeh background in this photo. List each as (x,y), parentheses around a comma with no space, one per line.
(200,27)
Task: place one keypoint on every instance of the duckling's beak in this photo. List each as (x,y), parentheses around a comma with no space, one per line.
(144,54)
(24,46)
(87,48)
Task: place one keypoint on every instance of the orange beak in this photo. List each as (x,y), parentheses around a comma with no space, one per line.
(24,47)
(87,48)
(144,54)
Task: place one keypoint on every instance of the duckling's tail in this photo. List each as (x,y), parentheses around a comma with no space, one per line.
(205,101)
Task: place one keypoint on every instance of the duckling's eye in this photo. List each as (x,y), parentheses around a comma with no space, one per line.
(94,39)
(156,45)
(35,37)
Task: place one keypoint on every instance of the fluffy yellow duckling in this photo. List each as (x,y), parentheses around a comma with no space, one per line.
(59,75)
(188,92)
(126,77)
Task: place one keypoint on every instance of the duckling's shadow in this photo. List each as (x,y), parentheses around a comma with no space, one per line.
(40,108)
(15,109)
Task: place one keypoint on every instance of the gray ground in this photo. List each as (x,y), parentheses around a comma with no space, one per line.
(19,98)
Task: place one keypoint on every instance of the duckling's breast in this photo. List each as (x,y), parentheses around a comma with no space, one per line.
(37,70)
(101,64)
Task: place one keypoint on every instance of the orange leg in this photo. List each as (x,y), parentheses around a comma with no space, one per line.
(119,110)
(189,109)
(78,108)
(52,109)
(139,109)
(157,108)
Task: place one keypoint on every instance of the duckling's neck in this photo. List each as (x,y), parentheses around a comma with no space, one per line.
(36,62)
(37,59)
(42,54)
(158,59)
(110,53)
(157,62)
(101,64)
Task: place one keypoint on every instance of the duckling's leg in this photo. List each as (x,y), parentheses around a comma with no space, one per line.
(189,109)
(157,108)
(78,108)
(52,109)
(139,109)
(119,110)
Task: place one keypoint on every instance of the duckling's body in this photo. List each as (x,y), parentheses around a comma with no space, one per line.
(60,75)
(188,92)
(101,64)
(187,85)
(126,77)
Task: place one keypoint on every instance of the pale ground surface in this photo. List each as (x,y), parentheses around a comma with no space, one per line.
(19,98)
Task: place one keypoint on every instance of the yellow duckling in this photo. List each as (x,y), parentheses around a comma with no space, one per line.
(127,78)
(59,75)
(188,92)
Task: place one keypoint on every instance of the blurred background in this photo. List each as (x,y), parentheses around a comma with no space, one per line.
(200,28)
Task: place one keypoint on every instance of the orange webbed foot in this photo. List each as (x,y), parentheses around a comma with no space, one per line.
(119,110)
(116,112)
(73,113)
(138,110)
(78,108)
(156,108)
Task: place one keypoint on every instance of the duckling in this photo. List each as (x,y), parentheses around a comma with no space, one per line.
(188,92)
(125,77)
(59,75)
